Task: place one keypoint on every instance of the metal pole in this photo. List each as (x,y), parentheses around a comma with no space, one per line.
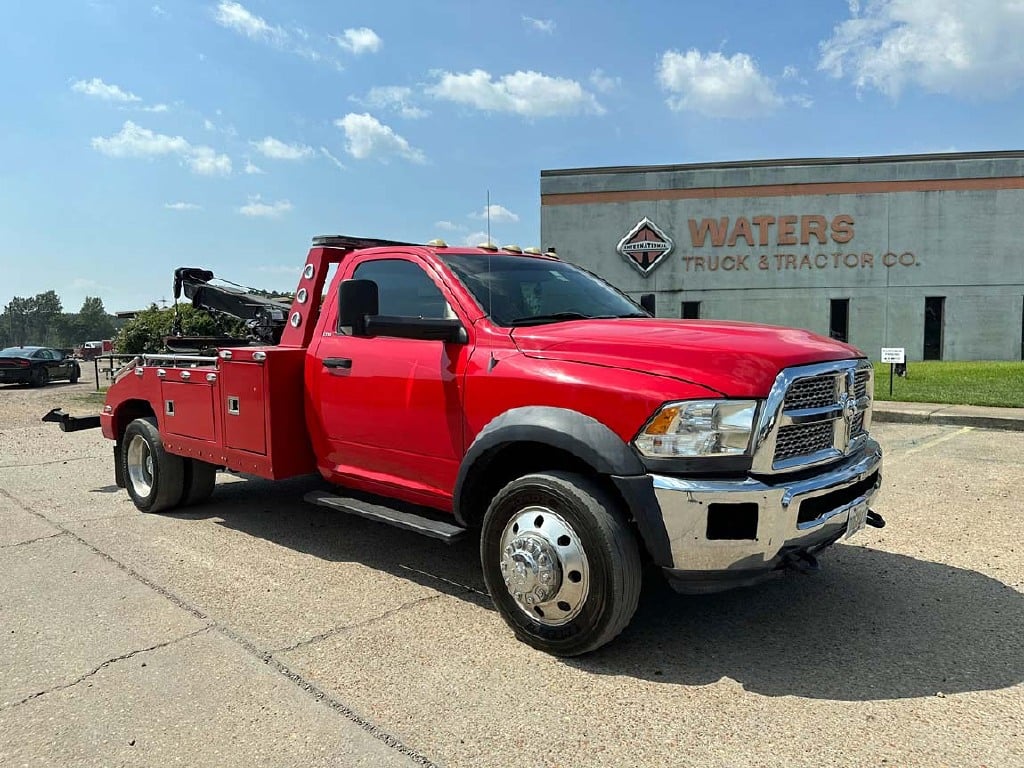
(892,367)
(96,368)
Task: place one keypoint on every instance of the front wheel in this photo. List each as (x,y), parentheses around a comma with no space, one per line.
(560,562)
(155,479)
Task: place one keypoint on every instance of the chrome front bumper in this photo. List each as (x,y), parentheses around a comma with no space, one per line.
(726,533)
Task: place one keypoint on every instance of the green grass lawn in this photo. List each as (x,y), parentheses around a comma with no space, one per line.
(973,383)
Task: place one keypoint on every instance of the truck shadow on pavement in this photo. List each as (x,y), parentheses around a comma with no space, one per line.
(872,625)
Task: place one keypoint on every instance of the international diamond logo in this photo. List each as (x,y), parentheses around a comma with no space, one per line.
(645,247)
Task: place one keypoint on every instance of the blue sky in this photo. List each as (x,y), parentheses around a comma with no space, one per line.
(140,136)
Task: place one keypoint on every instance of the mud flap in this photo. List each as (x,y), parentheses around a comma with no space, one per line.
(118,468)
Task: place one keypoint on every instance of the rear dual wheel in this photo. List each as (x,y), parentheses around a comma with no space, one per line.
(560,562)
(156,480)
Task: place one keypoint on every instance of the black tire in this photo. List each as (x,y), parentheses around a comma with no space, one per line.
(200,478)
(613,572)
(40,377)
(76,373)
(155,485)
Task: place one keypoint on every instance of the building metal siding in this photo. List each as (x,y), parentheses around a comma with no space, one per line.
(895,231)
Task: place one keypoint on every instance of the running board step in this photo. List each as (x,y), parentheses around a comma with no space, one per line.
(437,529)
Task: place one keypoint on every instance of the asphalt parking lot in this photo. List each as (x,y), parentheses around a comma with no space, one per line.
(257,630)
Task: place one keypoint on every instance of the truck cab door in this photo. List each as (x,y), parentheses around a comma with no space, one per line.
(390,409)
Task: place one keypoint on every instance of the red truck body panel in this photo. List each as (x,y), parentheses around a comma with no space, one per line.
(242,413)
(733,358)
(399,419)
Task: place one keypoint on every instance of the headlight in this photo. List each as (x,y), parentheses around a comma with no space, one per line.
(697,428)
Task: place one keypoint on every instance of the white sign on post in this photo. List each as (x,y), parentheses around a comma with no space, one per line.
(894,355)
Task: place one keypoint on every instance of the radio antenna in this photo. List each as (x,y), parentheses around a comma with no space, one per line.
(488,211)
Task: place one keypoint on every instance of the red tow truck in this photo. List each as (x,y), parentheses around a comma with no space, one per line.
(511,395)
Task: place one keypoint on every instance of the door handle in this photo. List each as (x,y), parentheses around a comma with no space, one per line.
(337,362)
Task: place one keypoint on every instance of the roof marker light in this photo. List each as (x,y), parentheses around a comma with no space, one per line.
(512,248)
(487,246)
(437,242)
(532,250)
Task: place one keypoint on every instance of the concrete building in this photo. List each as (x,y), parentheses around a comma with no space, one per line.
(924,252)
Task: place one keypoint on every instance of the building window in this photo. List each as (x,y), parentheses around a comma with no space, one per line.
(934,307)
(690,310)
(839,319)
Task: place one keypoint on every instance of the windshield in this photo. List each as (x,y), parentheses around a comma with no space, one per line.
(519,290)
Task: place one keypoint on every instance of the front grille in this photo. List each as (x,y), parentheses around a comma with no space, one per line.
(822,414)
(803,439)
(812,392)
(861,386)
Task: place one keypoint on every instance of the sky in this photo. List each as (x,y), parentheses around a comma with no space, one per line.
(139,136)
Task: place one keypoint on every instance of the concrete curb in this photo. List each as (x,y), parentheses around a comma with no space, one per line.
(1010,419)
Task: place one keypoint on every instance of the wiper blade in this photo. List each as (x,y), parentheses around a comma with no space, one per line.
(552,318)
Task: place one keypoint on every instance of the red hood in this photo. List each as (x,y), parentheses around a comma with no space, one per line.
(736,359)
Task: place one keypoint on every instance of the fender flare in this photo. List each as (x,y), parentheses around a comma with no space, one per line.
(590,441)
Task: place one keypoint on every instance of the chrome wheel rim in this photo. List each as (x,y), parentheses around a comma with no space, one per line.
(140,466)
(544,566)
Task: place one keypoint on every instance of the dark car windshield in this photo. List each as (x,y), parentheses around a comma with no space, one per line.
(520,290)
(17,351)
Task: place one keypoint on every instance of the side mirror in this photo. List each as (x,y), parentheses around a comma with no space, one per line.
(357,299)
(647,301)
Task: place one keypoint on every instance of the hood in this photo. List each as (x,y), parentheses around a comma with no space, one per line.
(736,359)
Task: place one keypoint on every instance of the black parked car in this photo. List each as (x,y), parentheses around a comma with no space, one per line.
(36,366)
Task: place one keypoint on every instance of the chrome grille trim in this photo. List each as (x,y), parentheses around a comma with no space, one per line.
(814,414)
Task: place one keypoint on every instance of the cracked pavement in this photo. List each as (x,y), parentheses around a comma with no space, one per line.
(259,630)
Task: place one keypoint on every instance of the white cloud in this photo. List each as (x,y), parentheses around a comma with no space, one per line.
(280,269)
(182,206)
(604,83)
(541,25)
(275,149)
(393,97)
(473,239)
(100,90)
(448,226)
(156,108)
(367,137)
(942,46)
(158,11)
(135,141)
(790,72)
(327,153)
(256,208)
(253,170)
(530,94)
(206,162)
(236,17)
(499,214)
(209,125)
(716,86)
(359,41)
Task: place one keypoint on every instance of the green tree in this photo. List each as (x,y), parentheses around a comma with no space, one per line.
(16,320)
(147,330)
(44,310)
(93,322)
